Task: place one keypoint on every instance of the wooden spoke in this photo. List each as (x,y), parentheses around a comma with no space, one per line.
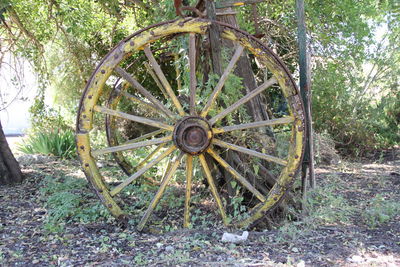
(145,136)
(221,82)
(154,76)
(256,124)
(236,175)
(213,188)
(138,100)
(192,65)
(189,175)
(127,116)
(160,191)
(112,149)
(243,100)
(249,152)
(150,156)
(143,91)
(163,79)
(137,174)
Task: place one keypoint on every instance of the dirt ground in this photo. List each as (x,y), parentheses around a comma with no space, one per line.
(345,242)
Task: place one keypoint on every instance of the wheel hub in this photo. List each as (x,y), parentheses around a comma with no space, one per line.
(192,135)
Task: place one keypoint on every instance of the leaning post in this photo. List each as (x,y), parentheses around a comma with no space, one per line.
(305,90)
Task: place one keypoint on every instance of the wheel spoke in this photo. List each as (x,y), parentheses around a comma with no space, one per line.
(124,147)
(137,174)
(163,79)
(133,118)
(243,100)
(138,100)
(249,152)
(154,76)
(236,175)
(160,191)
(213,188)
(143,91)
(145,136)
(221,82)
(189,175)
(192,64)
(256,124)
(150,156)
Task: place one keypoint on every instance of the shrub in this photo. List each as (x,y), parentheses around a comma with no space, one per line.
(59,143)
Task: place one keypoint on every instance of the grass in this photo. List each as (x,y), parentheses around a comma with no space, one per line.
(59,143)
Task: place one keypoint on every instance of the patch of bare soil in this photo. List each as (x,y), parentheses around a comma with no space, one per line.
(359,240)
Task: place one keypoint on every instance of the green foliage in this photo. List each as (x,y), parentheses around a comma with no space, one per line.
(380,210)
(69,199)
(354,46)
(60,143)
(327,206)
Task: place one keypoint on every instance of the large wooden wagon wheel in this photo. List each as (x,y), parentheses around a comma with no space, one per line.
(197,125)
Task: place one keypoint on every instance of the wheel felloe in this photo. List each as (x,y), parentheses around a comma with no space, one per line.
(184,139)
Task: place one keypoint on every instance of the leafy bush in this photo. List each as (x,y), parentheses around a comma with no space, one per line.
(58,143)
(357,120)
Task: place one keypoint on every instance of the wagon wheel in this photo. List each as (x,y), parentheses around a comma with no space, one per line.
(198,124)
(119,91)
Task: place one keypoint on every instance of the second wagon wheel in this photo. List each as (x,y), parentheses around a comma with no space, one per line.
(201,125)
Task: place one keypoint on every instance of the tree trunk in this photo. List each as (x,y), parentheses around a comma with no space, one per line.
(10,172)
(244,70)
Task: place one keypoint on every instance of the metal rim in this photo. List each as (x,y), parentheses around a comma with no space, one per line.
(187,132)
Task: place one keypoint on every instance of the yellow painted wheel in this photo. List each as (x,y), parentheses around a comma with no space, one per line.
(195,124)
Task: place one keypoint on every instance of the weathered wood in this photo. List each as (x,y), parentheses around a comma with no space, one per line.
(137,174)
(250,152)
(244,70)
(243,100)
(305,90)
(256,124)
(189,176)
(236,175)
(155,78)
(225,4)
(192,66)
(124,147)
(215,37)
(213,189)
(143,91)
(163,79)
(127,116)
(160,191)
(221,82)
(138,100)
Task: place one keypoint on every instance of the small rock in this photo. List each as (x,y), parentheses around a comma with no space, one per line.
(169,248)
(159,245)
(232,238)
(356,259)
(295,250)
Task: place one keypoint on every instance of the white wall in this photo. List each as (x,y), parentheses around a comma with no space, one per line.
(17,82)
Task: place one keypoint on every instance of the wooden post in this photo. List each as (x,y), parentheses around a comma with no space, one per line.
(305,90)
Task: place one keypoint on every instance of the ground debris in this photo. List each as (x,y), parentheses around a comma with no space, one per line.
(363,237)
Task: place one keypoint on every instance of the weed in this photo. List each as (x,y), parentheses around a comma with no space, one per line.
(380,211)
(69,199)
(140,259)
